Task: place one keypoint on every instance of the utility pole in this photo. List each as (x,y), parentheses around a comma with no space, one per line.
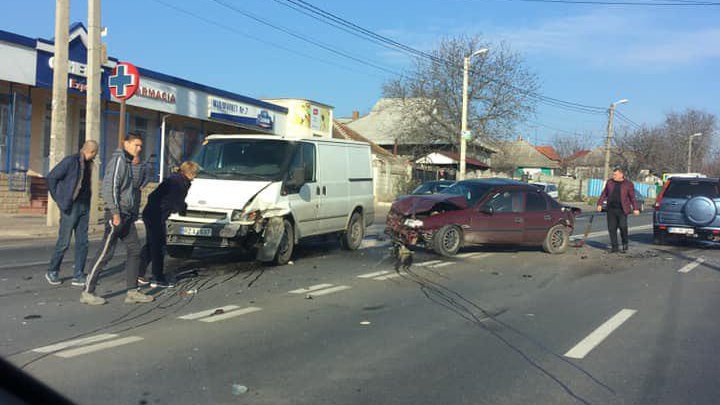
(93,109)
(58,126)
(608,142)
(690,138)
(464,135)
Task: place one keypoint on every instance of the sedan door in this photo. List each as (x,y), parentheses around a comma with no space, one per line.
(538,218)
(504,225)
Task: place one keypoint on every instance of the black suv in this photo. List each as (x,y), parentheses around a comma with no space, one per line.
(688,208)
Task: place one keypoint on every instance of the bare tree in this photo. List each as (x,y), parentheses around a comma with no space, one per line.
(570,144)
(500,93)
(664,148)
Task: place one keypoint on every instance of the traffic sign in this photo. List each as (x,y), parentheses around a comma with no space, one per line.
(124,81)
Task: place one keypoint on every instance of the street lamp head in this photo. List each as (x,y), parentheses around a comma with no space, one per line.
(479,52)
(696,135)
(623,101)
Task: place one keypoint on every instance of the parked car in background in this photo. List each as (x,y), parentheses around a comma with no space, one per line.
(550,188)
(687,208)
(479,212)
(432,187)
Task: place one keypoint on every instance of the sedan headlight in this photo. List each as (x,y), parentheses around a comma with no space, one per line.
(413,223)
(236,215)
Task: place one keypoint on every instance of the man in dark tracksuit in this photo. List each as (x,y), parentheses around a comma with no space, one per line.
(121,212)
(168,198)
(69,186)
(619,197)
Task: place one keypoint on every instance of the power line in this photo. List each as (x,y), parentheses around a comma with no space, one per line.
(258,39)
(624,118)
(627,3)
(303,38)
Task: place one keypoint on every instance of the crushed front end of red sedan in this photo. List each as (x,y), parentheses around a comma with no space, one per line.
(482,212)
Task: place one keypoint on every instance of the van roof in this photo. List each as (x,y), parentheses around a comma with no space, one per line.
(280,138)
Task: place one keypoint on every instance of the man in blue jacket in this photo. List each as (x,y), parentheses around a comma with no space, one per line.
(122,204)
(69,186)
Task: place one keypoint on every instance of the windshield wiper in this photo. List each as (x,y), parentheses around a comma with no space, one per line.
(211,174)
(242,175)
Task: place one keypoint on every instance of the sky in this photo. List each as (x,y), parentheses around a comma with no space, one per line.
(660,58)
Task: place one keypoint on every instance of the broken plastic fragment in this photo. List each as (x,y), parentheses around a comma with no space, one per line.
(238,389)
(219,311)
(365,323)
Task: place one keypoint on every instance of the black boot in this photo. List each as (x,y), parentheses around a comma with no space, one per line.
(613,249)
(624,248)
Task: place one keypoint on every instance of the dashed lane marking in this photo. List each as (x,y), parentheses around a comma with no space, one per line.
(98,346)
(330,290)
(310,289)
(428,263)
(72,343)
(690,266)
(389,276)
(373,274)
(438,265)
(208,312)
(598,335)
(605,233)
(231,314)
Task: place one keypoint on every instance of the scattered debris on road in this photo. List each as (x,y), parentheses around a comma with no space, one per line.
(365,323)
(238,389)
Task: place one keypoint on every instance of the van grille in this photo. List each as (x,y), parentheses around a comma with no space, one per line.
(206,214)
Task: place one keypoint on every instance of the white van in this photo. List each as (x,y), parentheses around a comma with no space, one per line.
(266,193)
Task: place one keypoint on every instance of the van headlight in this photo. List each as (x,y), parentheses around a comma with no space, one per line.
(413,223)
(241,215)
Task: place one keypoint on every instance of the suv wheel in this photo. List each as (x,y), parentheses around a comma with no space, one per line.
(447,240)
(353,236)
(557,240)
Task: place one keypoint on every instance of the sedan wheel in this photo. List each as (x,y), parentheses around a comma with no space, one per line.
(447,240)
(557,240)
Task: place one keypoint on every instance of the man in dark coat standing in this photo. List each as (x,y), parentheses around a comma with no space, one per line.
(619,198)
(167,199)
(69,185)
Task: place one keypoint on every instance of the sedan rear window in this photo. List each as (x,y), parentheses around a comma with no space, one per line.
(684,189)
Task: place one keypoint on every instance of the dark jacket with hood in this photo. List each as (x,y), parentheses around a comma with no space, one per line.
(63,180)
(118,190)
(167,198)
(627,195)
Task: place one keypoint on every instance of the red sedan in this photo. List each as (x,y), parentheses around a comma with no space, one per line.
(480,212)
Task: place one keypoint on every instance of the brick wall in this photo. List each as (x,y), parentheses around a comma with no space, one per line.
(10,201)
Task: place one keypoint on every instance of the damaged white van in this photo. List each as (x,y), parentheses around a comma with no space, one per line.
(263,194)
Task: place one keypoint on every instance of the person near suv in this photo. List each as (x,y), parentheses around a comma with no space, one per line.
(618,197)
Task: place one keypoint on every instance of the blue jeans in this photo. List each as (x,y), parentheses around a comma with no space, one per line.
(76,221)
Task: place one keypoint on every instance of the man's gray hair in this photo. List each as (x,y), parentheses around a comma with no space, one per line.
(90,144)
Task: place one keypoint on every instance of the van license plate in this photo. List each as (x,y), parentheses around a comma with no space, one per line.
(681,231)
(191,231)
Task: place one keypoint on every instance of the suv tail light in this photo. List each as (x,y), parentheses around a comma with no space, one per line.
(659,198)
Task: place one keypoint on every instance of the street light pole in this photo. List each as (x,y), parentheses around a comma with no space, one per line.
(463,123)
(608,141)
(690,138)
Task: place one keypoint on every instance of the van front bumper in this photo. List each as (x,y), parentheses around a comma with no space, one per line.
(217,235)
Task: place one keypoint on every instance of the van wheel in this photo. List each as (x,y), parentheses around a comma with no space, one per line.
(179,252)
(352,238)
(286,246)
(447,240)
(557,240)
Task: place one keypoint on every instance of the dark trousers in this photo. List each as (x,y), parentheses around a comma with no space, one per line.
(154,249)
(616,219)
(126,232)
(75,221)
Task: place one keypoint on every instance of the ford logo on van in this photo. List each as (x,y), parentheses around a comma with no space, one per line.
(264,119)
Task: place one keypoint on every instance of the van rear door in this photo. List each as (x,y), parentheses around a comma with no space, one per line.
(333,186)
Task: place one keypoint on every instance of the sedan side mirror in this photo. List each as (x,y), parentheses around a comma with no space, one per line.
(487,210)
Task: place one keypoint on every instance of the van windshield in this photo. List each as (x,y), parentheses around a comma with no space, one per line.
(244,159)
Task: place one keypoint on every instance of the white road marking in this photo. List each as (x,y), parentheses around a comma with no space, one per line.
(598,335)
(605,233)
(231,314)
(428,263)
(443,264)
(98,346)
(309,289)
(690,266)
(207,312)
(75,342)
(374,274)
(330,290)
(389,276)
(475,255)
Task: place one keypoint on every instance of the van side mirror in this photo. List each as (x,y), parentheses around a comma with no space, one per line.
(297,177)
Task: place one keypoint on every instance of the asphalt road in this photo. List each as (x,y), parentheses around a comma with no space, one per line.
(492,326)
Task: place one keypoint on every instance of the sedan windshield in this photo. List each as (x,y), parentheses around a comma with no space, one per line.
(241,159)
(471,191)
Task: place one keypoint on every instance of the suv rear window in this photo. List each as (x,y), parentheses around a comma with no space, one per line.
(684,189)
